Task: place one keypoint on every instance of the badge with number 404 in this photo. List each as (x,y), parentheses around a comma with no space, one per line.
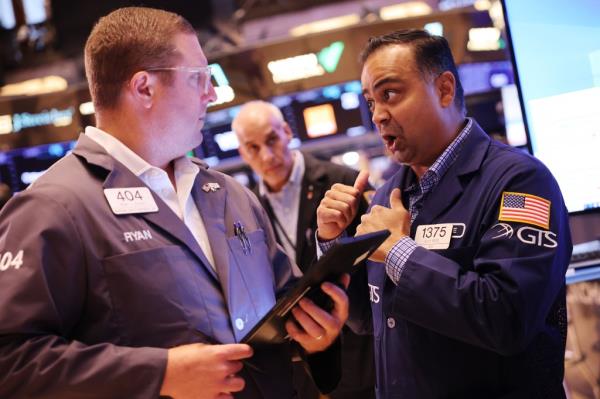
(434,236)
(128,200)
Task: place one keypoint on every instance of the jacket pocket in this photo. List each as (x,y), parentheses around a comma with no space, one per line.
(145,295)
(251,282)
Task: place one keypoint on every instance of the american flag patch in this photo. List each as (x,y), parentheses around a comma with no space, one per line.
(525,208)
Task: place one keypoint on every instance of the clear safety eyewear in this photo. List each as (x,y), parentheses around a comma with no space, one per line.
(204,72)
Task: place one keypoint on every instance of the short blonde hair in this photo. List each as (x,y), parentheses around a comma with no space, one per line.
(126,41)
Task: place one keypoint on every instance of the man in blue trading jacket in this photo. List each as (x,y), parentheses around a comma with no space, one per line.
(131,271)
(467,296)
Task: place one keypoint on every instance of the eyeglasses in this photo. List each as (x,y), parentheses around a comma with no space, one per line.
(203,72)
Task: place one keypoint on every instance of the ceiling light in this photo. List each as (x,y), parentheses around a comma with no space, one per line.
(404,10)
(48,84)
(484,39)
(325,24)
(482,5)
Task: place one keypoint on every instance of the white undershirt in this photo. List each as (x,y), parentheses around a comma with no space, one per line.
(180,201)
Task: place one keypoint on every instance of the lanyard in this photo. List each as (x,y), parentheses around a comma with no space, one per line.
(278,224)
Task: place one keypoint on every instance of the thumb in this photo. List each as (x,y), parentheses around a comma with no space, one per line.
(396,199)
(362,180)
(236,351)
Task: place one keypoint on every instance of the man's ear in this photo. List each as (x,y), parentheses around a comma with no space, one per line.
(288,131)
(446,88)
(241,149)
(142,88)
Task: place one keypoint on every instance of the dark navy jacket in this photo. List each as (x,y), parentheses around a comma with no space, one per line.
(486,317)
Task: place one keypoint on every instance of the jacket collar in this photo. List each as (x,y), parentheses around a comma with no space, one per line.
(469,160)
(314,185)
(118,176)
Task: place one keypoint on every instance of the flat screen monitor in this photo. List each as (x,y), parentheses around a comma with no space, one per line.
(219,142)
(22,166)
(556,51)
(481,77)
(34,12)
(7,15)
(320,113)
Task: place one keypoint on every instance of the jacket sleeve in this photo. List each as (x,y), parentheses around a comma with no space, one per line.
(359,318)
(43,292)
(496,292)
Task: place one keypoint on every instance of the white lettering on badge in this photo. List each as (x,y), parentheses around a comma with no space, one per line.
(138,235)
(373,295)
(434,236)
(7,260)
(129,200)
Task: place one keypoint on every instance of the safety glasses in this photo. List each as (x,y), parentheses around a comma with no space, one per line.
(203,72)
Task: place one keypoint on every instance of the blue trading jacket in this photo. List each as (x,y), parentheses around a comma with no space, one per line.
(486,317)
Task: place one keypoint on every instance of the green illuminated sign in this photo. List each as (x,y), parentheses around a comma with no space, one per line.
(329,57)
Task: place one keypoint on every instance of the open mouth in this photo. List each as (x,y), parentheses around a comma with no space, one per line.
(389,141)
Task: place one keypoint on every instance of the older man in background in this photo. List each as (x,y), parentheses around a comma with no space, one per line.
(291,185)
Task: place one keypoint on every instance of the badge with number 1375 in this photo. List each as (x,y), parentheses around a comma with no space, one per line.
(434,236)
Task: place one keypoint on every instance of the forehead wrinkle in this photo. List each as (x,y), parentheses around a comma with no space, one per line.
(385,80)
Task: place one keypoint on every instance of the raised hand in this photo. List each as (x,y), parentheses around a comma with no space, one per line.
(396,219)
(339,206)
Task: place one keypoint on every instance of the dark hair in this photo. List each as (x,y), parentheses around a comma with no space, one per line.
(126,41)
(432,54)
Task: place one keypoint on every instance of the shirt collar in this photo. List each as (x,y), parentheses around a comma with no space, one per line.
(132,161)
(118,150)
(441,165)
(444,161)
(295,179)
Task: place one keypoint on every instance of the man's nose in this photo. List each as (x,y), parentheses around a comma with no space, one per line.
(210,94)
(380,115)
(266,153)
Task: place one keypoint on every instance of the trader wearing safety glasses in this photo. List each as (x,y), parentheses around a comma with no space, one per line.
(132,271)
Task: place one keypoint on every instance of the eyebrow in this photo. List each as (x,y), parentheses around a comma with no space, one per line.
(269,135)
(383,82)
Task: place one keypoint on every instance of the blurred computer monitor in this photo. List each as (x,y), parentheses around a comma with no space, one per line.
(558,75)
(22,166)
(324,112)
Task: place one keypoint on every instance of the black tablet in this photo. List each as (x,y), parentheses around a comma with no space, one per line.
(341,258)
